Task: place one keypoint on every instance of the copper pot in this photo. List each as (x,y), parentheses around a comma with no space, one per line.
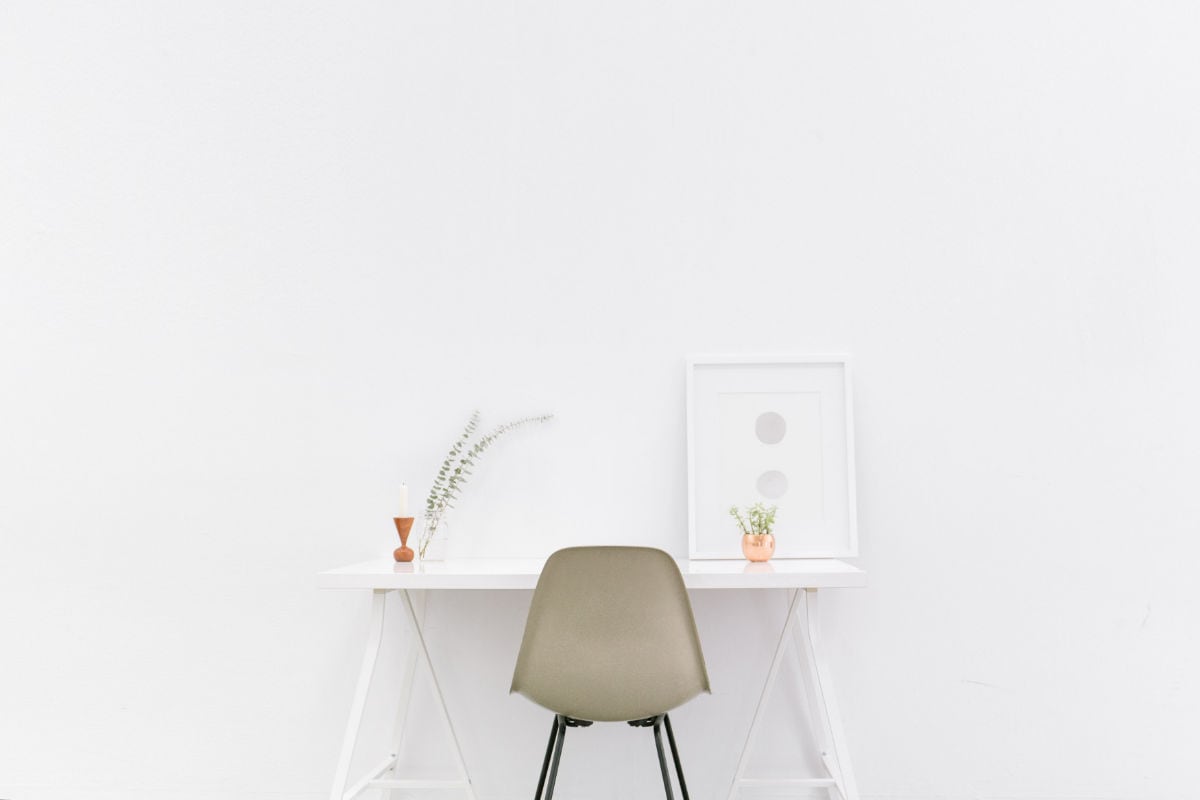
(758,546)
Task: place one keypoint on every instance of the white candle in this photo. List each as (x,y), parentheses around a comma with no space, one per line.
(403,500)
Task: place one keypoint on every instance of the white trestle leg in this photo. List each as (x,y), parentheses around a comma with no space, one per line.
(823,700)
(417,651)
(423,652)
(370,656)
(406,689)
(802,626)
(739,776)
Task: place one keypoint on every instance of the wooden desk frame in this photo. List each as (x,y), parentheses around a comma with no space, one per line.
(803,579)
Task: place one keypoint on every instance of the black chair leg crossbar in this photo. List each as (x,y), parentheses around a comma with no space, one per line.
(558,732)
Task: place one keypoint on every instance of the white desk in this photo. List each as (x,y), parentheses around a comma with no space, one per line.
(803,577)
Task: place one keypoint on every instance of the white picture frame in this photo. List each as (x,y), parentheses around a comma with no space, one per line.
(775,429)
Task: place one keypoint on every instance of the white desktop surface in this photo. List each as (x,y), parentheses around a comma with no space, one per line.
(522,573)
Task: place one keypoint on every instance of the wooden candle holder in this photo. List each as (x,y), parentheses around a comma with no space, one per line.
(403,553)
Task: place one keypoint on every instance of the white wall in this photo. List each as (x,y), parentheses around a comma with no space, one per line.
(259,262)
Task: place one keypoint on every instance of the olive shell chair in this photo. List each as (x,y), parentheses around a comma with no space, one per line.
(610,638)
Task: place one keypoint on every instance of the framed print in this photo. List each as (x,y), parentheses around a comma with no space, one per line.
(772,430)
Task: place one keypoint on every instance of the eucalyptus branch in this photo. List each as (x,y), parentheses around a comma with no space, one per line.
(463,469)
(443,476)
(457,467)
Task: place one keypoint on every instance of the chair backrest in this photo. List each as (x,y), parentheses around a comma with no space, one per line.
(610,636)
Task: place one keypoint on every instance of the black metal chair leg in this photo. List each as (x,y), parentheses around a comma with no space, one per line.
(562,734)
(546,761)
(662,758)
(675,755)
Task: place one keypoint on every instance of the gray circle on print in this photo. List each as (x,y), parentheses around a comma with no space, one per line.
(772,484)
(770,427)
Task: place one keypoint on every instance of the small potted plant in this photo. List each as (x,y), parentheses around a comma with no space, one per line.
(756,522)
